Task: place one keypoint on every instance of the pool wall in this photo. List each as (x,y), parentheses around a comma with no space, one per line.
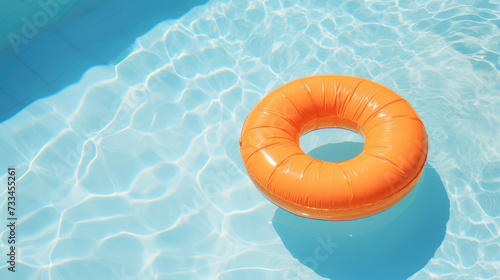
(48,44)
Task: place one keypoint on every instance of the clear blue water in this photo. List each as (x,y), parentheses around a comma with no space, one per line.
(134,171)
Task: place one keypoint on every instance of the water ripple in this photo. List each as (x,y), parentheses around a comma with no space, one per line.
(145,153)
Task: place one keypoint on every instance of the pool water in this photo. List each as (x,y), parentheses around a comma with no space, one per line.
(46,45)
(134,171)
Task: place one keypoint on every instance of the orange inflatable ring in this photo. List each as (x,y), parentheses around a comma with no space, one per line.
(387,169)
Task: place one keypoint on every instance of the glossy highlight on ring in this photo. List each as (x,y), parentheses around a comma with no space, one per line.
(388,168)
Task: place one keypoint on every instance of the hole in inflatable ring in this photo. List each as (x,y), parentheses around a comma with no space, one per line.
(317,144)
